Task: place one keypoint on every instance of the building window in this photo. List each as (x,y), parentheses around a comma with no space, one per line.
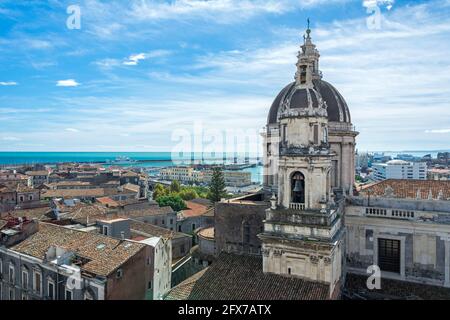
(25,278)
(37,283)
(24,296)
(51,289)
(119,273)
(289,270)
(193,226)
(389,255)
(12,274)
(316,134)
(68,294)
(150,284)
(302,74)
(12,294)
(179,228)
(105,230)
(325,135)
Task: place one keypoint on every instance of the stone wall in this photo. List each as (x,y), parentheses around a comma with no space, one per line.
(237,226)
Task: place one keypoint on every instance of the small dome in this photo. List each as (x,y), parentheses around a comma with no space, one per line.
(294,97)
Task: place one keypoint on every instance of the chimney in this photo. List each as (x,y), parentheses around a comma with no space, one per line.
(122,235)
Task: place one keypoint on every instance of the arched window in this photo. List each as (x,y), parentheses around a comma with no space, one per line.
(298,188)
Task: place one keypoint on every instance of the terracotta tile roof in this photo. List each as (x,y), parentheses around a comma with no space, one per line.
(70,183)
(129,174)
(139,238)
(184,289)
(240,277)
(356,288)
(194,210)
(150,211)
(73,193)
(131,187)
(143,228)
(37,173)
(35,213)
(104,254)
(5,189)
(23,189)
(202,201)
(81,213)
(408,188)
(107,201)
(116,191)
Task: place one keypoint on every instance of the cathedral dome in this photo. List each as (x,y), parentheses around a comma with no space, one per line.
(309,90)
(294,98)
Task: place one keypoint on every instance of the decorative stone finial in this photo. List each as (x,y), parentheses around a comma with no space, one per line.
(430,195)
(440,195)
(418,194)
(388,192)
(273,202)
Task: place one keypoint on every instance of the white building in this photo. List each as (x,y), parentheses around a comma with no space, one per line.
(400,169)
(190,175)
(162,266)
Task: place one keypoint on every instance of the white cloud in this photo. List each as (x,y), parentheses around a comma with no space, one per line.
(373,3)
(107,63)
(72,130)
(67,83)
(38,44)
(438,131)
(11,139)
(134,59)
(219,11)
(8,83)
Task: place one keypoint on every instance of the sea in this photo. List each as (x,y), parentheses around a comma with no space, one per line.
(152,160)
(146,160)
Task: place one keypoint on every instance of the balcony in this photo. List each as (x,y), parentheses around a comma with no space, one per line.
(297,206)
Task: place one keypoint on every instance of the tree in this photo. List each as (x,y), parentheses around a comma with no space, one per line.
(188,194)
(217,186)
(175,202)
(159,191)
(175,186)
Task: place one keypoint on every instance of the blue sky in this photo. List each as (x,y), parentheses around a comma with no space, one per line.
(137,71)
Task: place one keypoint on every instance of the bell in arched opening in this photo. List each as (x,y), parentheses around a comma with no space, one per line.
(298,188)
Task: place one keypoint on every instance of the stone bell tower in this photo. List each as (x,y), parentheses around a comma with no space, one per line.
(303,232)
